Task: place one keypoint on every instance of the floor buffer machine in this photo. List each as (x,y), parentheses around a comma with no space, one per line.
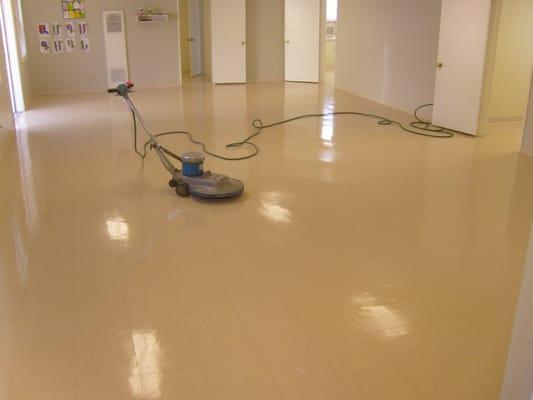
(191,179)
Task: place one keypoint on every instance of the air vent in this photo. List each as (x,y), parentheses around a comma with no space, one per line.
(114,23)
(115,48)
(331,31)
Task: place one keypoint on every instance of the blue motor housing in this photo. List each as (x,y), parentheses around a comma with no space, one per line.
(193,164)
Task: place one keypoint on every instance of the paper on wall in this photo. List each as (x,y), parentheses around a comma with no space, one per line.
(57,30)
(43,30)
(70,29)
(85,45)
(44,46)
(73,9)
(58,46)
(82,28)
(71,45)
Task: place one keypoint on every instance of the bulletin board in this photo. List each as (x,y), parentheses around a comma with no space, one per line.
(73,9)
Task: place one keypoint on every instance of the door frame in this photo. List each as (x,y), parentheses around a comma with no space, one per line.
(527,138)
(12,56)
(178,28)
(490,63)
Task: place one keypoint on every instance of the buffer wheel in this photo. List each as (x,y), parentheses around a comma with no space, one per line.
(182,189)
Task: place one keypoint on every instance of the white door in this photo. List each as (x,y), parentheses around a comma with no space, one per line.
(461,64)
(228,32)
(195,37)
(302,40)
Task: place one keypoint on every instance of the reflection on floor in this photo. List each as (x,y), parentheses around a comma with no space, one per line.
(362,262)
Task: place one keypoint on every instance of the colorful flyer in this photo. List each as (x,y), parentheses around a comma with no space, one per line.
(59,46)
(85,45)
(57,30)
(44,46)
(73,9)
(43,30)
(71,45)
(82,28)
(70,29)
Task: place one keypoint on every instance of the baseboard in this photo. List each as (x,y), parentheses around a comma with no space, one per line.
(506,119)
(95,91)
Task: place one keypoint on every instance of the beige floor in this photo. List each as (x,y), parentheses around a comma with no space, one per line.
(362,263)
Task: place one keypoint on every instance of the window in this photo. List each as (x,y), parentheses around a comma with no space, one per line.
(331,10)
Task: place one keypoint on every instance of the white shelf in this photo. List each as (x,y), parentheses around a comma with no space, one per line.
(153,18)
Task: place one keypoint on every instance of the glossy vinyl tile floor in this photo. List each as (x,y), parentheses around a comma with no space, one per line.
(361,263)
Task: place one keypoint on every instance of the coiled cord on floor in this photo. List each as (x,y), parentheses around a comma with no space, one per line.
(419,127)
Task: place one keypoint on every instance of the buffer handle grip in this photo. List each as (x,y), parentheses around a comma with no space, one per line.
(122,90)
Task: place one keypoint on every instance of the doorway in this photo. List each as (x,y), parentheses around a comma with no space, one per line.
(330,43)
(509,65)
(14,49)
(191,40)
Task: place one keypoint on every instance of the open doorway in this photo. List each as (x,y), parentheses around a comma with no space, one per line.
(191,41)
(509,65)
(14,49)
(330,47)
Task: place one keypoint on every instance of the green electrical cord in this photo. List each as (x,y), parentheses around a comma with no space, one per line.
(419,127)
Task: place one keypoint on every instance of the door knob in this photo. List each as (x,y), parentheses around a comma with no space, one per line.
(243,42)
(287,41)
(191,39)
(440,65)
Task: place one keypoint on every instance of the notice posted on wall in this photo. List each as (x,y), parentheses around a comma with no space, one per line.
(71,45)
(73,9)
(70,29)
(43,30)
(82,29)
(85,45)
(57,30)
(44,46)
(59,46)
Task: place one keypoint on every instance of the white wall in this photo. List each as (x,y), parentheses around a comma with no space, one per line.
(265,49)
(527,145)
(513,57)
(153,49)
(518,380)
(387,50)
